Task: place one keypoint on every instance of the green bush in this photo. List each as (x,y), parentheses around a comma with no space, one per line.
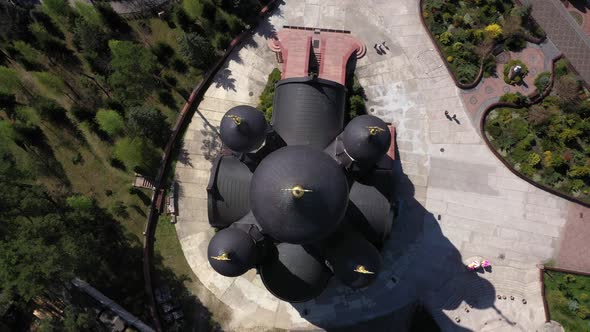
(110,122)
(518,78)
(561,67)
(267,97)
(542,81)
(137,154)
(514,98)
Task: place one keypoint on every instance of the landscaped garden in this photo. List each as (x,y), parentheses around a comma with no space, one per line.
(568,297)
(466,32)
(548,142)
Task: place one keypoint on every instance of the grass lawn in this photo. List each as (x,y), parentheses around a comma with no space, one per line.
(568,297)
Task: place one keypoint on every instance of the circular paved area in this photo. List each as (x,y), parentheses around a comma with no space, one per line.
(456,199)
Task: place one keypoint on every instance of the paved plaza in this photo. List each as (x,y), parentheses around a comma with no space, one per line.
(456,199)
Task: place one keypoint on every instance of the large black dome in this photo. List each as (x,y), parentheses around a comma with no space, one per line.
(298,194)
(231,252)
(355,261)
(366,139)
(293,274)
(243,128)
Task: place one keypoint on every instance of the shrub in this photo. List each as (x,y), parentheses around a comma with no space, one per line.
(518,78)
(110,122)
(561,67)
(514,98)
(445,38)
(79,202)
(583,312)
(450,58)
(567,87)
(584,297)
(534,159)
(137,154)
(267,96)
(493,30)
(542,81)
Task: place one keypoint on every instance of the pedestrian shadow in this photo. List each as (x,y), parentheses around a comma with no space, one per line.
(421,269)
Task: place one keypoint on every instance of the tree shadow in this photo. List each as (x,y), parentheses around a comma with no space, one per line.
(182,310)
(211,143)
(421,269)
(184,155)
(264,29)
(224,80)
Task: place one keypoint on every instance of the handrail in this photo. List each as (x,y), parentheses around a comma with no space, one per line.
(159,182)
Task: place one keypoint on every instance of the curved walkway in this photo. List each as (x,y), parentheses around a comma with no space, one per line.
(456,199)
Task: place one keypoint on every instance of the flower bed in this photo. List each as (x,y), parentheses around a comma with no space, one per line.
(548,142)
(568,298)
(466,31)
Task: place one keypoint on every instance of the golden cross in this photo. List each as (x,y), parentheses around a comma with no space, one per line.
(223,257)
(297,191)
(363,270)
(374,130)
(237,119)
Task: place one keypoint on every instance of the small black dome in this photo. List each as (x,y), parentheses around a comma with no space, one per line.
(355,261)
(243,128)
(293,274)
(298,194)
(366,139)
(231,252)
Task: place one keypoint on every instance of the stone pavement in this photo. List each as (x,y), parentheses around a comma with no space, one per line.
(456,199)
(563,30)
(573,252)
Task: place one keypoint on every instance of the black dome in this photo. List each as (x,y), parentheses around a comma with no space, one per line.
(231,252)
(293,274)
(243,128)
(366,139)
(355,261)
(298,194)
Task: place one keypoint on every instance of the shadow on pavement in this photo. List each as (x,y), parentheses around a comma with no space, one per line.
(423,275)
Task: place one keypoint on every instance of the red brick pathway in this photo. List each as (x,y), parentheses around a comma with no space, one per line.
(493,87)
(574,250)
(567,35)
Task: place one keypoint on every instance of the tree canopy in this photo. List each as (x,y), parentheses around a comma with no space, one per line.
(132,68)
(110,122)
(147,122)
(196,49)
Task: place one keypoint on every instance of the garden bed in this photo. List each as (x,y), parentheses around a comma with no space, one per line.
(568,299)
(549,142)
(466,31)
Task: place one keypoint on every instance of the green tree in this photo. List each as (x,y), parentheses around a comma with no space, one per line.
(196,50)
(110,122)
(90,37)
(88,13)
(148,122)
(9,81)
(59,10)
(137,155)
(51,82)
(80,202)
(132,68)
